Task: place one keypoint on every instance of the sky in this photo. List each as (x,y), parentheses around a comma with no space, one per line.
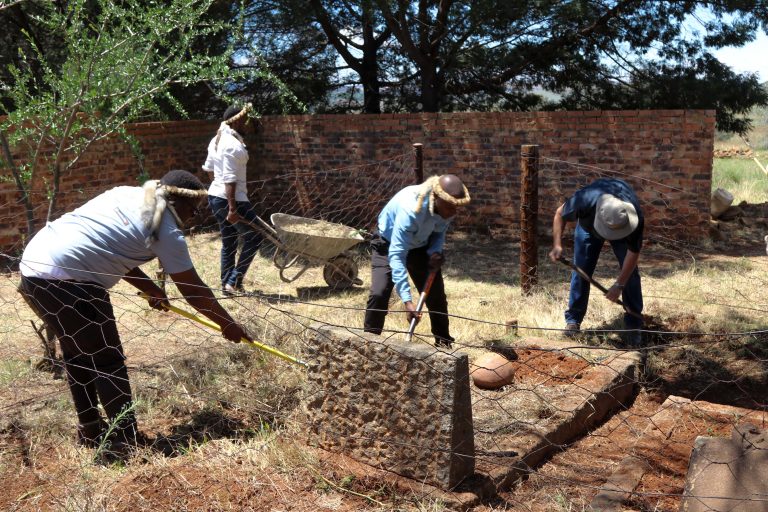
(752,57)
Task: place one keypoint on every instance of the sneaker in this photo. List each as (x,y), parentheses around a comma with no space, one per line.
(572,330)
(230,290)
(443,343)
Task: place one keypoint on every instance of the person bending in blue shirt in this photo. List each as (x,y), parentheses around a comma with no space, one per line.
(410,239)
(607,209)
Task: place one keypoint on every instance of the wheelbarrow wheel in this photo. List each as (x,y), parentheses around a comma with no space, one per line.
(341,273)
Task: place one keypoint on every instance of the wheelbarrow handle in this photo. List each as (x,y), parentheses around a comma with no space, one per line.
(420,304)
(568,263)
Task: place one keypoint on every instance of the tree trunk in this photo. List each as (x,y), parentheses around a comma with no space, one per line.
(369,73)
(430,89)
(25,199)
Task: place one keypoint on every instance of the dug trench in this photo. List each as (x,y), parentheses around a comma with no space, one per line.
(597,403)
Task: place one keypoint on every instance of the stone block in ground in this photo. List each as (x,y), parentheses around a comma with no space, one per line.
(403,407)
(728,473)
(653,476)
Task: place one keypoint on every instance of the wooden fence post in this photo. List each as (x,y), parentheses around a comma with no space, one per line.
(529,212)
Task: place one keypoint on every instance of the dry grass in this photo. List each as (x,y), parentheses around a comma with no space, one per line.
(233,412)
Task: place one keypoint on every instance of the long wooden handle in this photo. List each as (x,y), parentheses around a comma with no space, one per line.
(420,305)
(565,261)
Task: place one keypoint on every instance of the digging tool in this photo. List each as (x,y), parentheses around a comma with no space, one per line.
(565,261)
(420,304)
(215,326)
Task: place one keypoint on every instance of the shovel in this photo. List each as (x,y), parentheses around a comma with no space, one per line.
(420,304)
(565,261)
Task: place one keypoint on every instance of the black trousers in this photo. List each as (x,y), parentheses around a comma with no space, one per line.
(417,263)
(81,315)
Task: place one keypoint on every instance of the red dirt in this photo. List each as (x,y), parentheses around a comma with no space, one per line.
(547,367)
(187,482)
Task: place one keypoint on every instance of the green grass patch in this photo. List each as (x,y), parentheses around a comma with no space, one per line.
(742,177)
(12,370)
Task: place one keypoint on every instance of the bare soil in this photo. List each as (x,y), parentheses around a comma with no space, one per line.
(39,475)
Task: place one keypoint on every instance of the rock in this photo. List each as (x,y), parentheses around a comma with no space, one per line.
(731,213)
(491,371)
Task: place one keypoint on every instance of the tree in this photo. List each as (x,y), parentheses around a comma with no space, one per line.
(300,62)
(117,61)
(443,55)
(352,28)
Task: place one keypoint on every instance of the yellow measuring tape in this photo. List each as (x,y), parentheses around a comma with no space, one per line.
(214,325)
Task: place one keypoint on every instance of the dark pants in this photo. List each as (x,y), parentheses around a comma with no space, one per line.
(586,251)
(81,316)
(417,264)
(233,269)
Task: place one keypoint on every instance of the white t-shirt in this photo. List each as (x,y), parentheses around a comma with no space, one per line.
(228,162)
(102,240)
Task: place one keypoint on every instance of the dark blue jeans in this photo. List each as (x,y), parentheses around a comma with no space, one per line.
(586,251)
(232,268)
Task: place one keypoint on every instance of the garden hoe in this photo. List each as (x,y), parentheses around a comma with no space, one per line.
(565,261)
(214,325)
(420,305)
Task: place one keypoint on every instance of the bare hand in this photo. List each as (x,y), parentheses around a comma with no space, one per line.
(411,312)
(232,217)
(436,261)
(235,332)
(613,294)
(158,300)
(555,253)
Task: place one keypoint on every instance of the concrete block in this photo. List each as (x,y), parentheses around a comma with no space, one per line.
(728,474)
(403,407)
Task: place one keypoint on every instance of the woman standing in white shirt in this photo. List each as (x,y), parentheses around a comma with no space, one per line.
(228,197)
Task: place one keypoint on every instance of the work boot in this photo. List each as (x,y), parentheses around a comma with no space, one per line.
(122,443)
(632,339)
(572,330)
(91,434)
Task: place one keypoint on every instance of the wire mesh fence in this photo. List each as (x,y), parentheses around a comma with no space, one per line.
(223,423)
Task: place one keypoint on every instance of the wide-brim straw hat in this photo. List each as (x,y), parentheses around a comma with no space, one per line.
(614,219)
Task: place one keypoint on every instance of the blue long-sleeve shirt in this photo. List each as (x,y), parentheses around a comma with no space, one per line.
(406,230)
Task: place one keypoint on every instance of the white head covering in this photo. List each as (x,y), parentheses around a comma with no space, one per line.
(614,219)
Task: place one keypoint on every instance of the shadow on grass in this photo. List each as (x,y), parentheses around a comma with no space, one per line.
(209,425)
(322,292)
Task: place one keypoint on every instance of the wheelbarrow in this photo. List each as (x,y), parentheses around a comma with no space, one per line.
(307,242)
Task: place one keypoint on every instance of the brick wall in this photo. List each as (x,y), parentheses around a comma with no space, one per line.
(665,155)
